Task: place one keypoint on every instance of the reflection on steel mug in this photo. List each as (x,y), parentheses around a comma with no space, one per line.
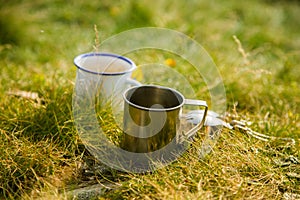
(152,116)
(104,74)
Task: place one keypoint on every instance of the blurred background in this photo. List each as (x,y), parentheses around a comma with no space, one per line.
(39,39)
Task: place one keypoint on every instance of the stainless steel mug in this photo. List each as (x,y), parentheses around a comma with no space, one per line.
(152,116)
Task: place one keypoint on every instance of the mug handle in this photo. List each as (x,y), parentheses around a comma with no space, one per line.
(194,102)
(133,82)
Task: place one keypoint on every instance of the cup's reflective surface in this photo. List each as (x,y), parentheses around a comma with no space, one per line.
(151,118)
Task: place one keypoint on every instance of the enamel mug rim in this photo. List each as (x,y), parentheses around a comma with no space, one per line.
(104,54)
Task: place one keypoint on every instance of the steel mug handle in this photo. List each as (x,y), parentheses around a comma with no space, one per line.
(194,102)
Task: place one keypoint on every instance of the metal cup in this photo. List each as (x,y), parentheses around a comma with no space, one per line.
(152,116)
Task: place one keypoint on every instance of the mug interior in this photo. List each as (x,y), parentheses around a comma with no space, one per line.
(147,97)
(104,63)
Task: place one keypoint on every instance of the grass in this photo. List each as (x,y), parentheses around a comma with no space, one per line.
(255,45)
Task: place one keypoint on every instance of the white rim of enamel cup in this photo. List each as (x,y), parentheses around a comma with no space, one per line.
(154,109)
(86,55)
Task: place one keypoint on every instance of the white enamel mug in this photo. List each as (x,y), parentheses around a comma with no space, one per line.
(105,75)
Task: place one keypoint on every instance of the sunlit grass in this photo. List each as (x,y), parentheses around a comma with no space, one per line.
(255,45)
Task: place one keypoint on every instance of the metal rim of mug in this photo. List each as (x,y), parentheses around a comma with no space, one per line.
(181,101)
(85,55)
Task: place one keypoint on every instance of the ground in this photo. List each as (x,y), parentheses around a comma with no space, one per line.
(255,46)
